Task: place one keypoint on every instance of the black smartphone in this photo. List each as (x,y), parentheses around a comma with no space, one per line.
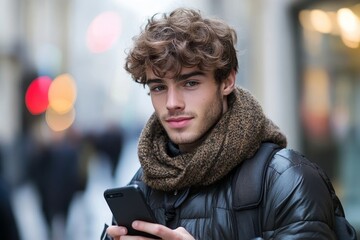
(128,204)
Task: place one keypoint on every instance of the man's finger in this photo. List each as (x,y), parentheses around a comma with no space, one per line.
(162,231)
(154,229)
(115,231)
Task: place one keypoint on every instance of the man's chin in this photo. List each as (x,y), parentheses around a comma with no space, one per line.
(184,141)
(180,141)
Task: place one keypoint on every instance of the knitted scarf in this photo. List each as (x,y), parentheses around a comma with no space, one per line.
(234,138)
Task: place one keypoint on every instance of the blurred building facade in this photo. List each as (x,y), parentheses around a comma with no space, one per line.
(305,76)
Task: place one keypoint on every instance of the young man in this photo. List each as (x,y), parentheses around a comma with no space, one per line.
(203,129)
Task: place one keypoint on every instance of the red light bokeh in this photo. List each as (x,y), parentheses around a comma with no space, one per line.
(36,97)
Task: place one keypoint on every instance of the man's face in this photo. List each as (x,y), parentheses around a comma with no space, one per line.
(189,105)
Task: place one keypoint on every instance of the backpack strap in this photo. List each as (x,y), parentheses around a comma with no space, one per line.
(249,179)
(248,189)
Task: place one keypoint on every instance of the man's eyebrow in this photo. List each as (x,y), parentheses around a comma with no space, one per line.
(179,78)
(189,75)
(153,80)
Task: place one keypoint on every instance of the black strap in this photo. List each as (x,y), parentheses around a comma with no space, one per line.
(172,201)
(249,179)
(104,236)
(248,189)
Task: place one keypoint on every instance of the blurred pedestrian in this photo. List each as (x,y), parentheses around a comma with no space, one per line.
(54,168)
(8,225)
(110,143)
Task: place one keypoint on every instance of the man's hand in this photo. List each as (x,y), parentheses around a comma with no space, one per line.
(165,233)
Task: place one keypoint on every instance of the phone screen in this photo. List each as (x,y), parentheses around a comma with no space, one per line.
(128,204)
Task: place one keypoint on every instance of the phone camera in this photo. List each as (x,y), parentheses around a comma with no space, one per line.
(114,195)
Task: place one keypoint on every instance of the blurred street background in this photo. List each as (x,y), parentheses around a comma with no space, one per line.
(70,115)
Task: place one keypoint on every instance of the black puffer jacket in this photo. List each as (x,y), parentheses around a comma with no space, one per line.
(296,205)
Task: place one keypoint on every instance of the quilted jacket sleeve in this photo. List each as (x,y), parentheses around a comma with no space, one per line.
(298,203)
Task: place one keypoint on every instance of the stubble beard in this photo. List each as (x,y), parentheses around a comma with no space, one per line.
(195,136)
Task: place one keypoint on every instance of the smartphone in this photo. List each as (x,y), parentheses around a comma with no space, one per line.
(128,204)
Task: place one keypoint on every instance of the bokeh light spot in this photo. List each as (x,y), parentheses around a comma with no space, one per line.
(103,32)
(62,93)
(36,96)
(59,122)
(321,21)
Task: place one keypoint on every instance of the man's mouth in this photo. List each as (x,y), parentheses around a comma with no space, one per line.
(178,122)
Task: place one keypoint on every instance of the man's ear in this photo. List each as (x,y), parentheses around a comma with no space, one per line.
(228,85)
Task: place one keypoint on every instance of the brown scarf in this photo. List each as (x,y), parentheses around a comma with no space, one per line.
(234,138)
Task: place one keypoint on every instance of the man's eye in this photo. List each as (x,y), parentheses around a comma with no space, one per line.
(191,83)
(157,88)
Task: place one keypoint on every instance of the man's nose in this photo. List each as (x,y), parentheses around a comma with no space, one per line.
(174,99)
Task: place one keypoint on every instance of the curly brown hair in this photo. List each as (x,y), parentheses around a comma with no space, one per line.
(180,39)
